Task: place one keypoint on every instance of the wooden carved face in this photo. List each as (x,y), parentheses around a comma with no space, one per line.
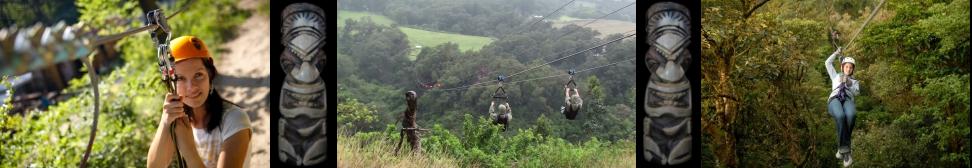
(303,98)
(411,96)
(668,103)
(303,35)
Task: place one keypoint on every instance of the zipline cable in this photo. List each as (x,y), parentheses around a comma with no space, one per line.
(588,69)
(529,69)
(545,58)
(592,21)
(869,18)
(564,51)
(545,17)
(571,55)
(533,79)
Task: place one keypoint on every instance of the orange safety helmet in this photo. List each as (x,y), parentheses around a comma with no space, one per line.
(186,47)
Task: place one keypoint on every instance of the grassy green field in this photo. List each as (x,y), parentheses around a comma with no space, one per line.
(419,37)
(354,151)
(376,149)
(430,38)
(566,19)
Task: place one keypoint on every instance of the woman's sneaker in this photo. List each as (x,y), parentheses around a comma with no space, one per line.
(839,155)
(848,160)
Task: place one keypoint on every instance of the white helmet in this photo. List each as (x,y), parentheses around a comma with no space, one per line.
(848,60)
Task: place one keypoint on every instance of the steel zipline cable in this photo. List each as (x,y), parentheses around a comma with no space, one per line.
(533,68)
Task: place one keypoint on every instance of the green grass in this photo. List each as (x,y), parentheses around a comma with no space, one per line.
(362,150)
(419,37)
(479,145)
(566,18)
(430,38)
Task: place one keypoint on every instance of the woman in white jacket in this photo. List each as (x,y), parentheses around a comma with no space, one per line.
(841,104)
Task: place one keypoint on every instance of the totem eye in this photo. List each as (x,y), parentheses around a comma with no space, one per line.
(653,60)
(652,63)
(288,65)
(286,62)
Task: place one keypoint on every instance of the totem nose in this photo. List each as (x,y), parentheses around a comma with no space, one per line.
(307,73)
(671,72)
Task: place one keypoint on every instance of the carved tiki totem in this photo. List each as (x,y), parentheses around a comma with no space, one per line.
(668,103)
(409,126)
(303,98)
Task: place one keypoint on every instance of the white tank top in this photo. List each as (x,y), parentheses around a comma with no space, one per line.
(209,144)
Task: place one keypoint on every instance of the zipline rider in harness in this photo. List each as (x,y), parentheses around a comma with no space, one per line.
(572,99)
(502,113)
(840,103)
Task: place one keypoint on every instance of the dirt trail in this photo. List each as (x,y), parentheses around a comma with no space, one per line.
(245,69)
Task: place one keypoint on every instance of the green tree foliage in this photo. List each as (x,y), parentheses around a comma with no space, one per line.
(483,18)
(387,102)
(539,135)
(6,103)
(942,118)
(352,112)
(544,127)
(380,51)
(432,60)
(23,13)
(497,18)
(377,73)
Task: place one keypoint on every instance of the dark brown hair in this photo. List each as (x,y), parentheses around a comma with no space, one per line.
(214,103)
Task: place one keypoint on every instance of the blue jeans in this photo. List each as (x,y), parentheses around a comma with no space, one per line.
(844,114)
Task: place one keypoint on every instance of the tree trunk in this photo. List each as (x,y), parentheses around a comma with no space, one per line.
(726,111)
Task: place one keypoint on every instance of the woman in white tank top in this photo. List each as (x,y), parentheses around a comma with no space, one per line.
(197,125)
